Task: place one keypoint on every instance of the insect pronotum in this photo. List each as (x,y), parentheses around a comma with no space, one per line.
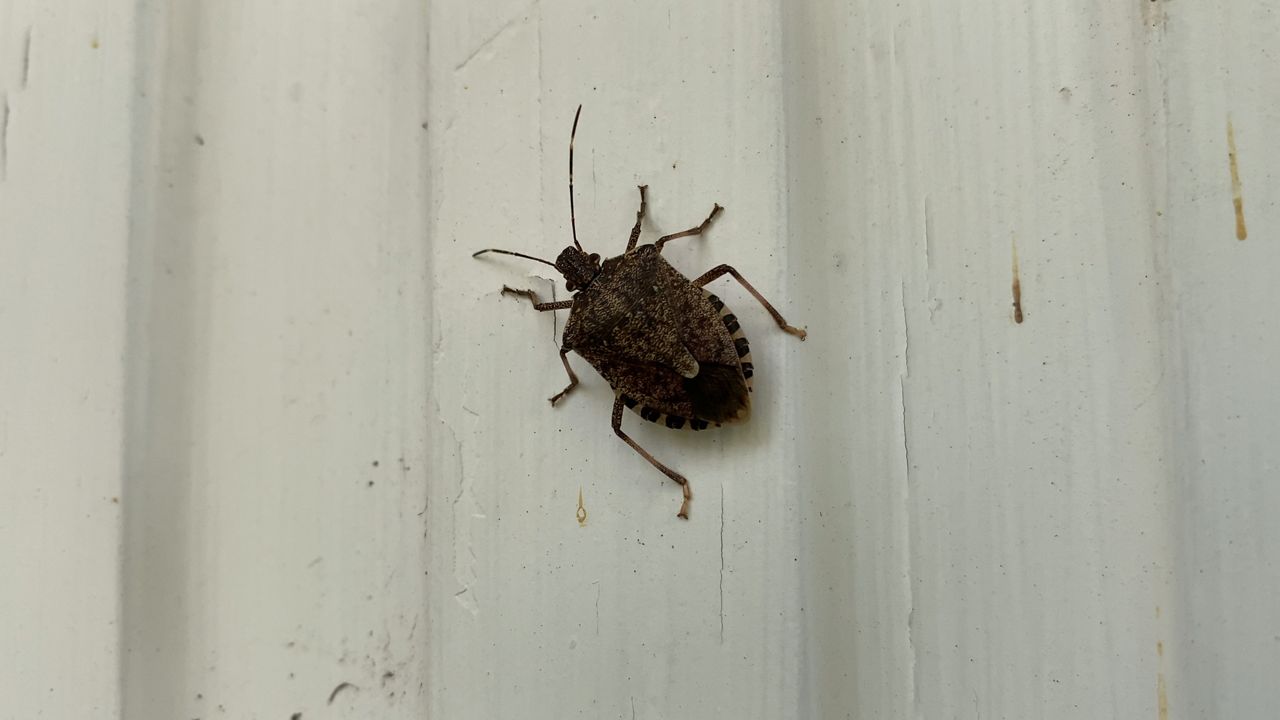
(672,352)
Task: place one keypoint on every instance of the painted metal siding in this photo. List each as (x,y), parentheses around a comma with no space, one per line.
(272,442)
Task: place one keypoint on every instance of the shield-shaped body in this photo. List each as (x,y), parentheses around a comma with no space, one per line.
(672,351)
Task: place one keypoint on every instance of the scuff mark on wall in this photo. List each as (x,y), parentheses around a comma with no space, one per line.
(902,386)
(1237,191)
(555,321)
(25,74)
(597,584)
(4,136)
(338,690)
(906,332)
(489,41)
(913,652)
(928,237)
(721,561)
(464,554)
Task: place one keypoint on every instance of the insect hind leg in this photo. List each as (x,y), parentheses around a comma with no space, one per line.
(684,482)
(719,270)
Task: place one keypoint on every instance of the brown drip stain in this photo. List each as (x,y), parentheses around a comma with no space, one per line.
(1162,690)
(1017,287)
(1237,193)
(1162,698)
(582,510)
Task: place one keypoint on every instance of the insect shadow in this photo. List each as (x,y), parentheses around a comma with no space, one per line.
(673,353)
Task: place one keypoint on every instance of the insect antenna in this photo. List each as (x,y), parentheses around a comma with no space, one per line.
(478,253)
(572,219)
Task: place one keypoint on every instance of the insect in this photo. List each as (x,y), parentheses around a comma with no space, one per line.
(672,352)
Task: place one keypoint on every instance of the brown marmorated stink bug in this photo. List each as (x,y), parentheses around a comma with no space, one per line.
(672,351)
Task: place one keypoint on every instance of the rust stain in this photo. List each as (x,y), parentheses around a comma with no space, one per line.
(1017,287)
(1237,193)
(1162,689)
(1153,14)
(1162,698)
(582,510)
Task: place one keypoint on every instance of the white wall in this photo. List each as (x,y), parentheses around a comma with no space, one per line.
(65,123)
(267,431)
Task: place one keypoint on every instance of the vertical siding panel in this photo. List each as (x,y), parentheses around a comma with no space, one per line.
(65,140)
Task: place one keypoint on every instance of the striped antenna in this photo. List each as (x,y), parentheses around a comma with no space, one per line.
(572,219)
(478,253)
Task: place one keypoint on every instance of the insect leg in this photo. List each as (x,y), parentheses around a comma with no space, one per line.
(684,484)
(691,231)
(719,270)
(635,231)
(543,307)
(573,379)
(537,305)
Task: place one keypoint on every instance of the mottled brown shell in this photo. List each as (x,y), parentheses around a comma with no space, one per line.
(672,351)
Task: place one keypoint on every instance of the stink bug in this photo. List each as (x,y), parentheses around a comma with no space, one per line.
(673,353)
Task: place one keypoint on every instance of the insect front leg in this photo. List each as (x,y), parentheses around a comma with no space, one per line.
(719,270)
(715,210)
(635,231)
(533,298)
(544,307)
(684,483)
(573,379)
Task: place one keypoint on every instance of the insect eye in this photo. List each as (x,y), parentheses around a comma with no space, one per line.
(571,286)
(594,258)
